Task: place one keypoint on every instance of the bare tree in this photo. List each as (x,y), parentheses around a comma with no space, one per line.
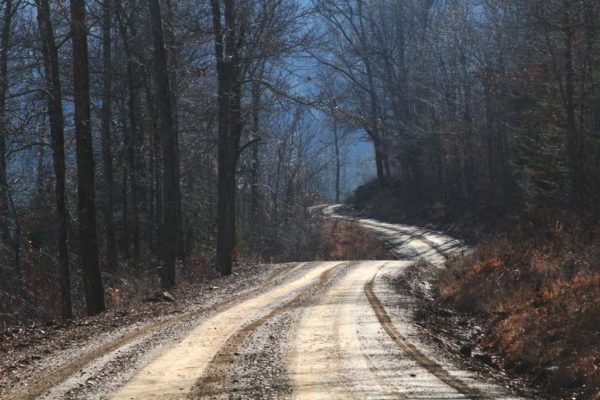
(107,156)
(229,34)
(167,130)
(56,118)
(88,236)
(5,45)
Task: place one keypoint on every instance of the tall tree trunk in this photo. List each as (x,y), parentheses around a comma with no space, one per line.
(336,145)
(378,159)
(132,136)
(166,128)
(255,184)
(86,180)
(174,58)
(5,43)
(382,160)
(107,164)
(573,140)
(56,118)
(125,214)
(228,41)
(130,144)
(155,161)
(132,169)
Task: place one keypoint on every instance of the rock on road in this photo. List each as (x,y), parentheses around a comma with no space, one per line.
(323,330)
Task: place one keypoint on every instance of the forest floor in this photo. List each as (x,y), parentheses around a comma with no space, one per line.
(343,329)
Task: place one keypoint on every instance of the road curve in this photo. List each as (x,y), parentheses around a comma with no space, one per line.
(404,241)
(341,332)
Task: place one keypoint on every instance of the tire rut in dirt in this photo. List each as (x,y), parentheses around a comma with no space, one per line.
(431,366)
(214,383)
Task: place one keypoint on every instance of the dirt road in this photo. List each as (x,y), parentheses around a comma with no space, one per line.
(348,346)
(344,344)
(322,330)
(404,241)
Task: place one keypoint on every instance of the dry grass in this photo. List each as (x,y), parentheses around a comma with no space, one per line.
(539,291)
(347,241)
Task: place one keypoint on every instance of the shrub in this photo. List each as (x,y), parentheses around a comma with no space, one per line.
(538,286)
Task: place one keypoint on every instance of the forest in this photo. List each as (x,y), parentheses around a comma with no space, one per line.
(146,144)
(141,141)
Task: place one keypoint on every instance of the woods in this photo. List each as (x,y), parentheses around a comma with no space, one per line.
(161,160)
(471,104)
(152,141)
(127,148)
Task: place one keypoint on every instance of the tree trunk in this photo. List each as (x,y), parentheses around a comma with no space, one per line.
(56,118)
(166,128)
(378,159)
(130,144)
(228,42)
(174,57)
(4,194)
(254,200)
(155,160)
(107,164)
(86,180)
(573,141)
(383,167)
(336,145)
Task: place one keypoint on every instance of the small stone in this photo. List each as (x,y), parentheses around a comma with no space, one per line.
(466,350)
(166,296)
(483,358)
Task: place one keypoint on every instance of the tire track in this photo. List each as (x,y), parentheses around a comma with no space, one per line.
(218,371)
(377,374)
(174,374)
(431,366)
(334,345)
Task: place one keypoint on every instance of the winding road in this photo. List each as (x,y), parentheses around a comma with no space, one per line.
(321,330)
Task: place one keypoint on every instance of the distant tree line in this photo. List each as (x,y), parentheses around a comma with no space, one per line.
(477,104)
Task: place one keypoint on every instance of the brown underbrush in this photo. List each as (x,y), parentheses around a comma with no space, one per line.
(538,287)
(347,241)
